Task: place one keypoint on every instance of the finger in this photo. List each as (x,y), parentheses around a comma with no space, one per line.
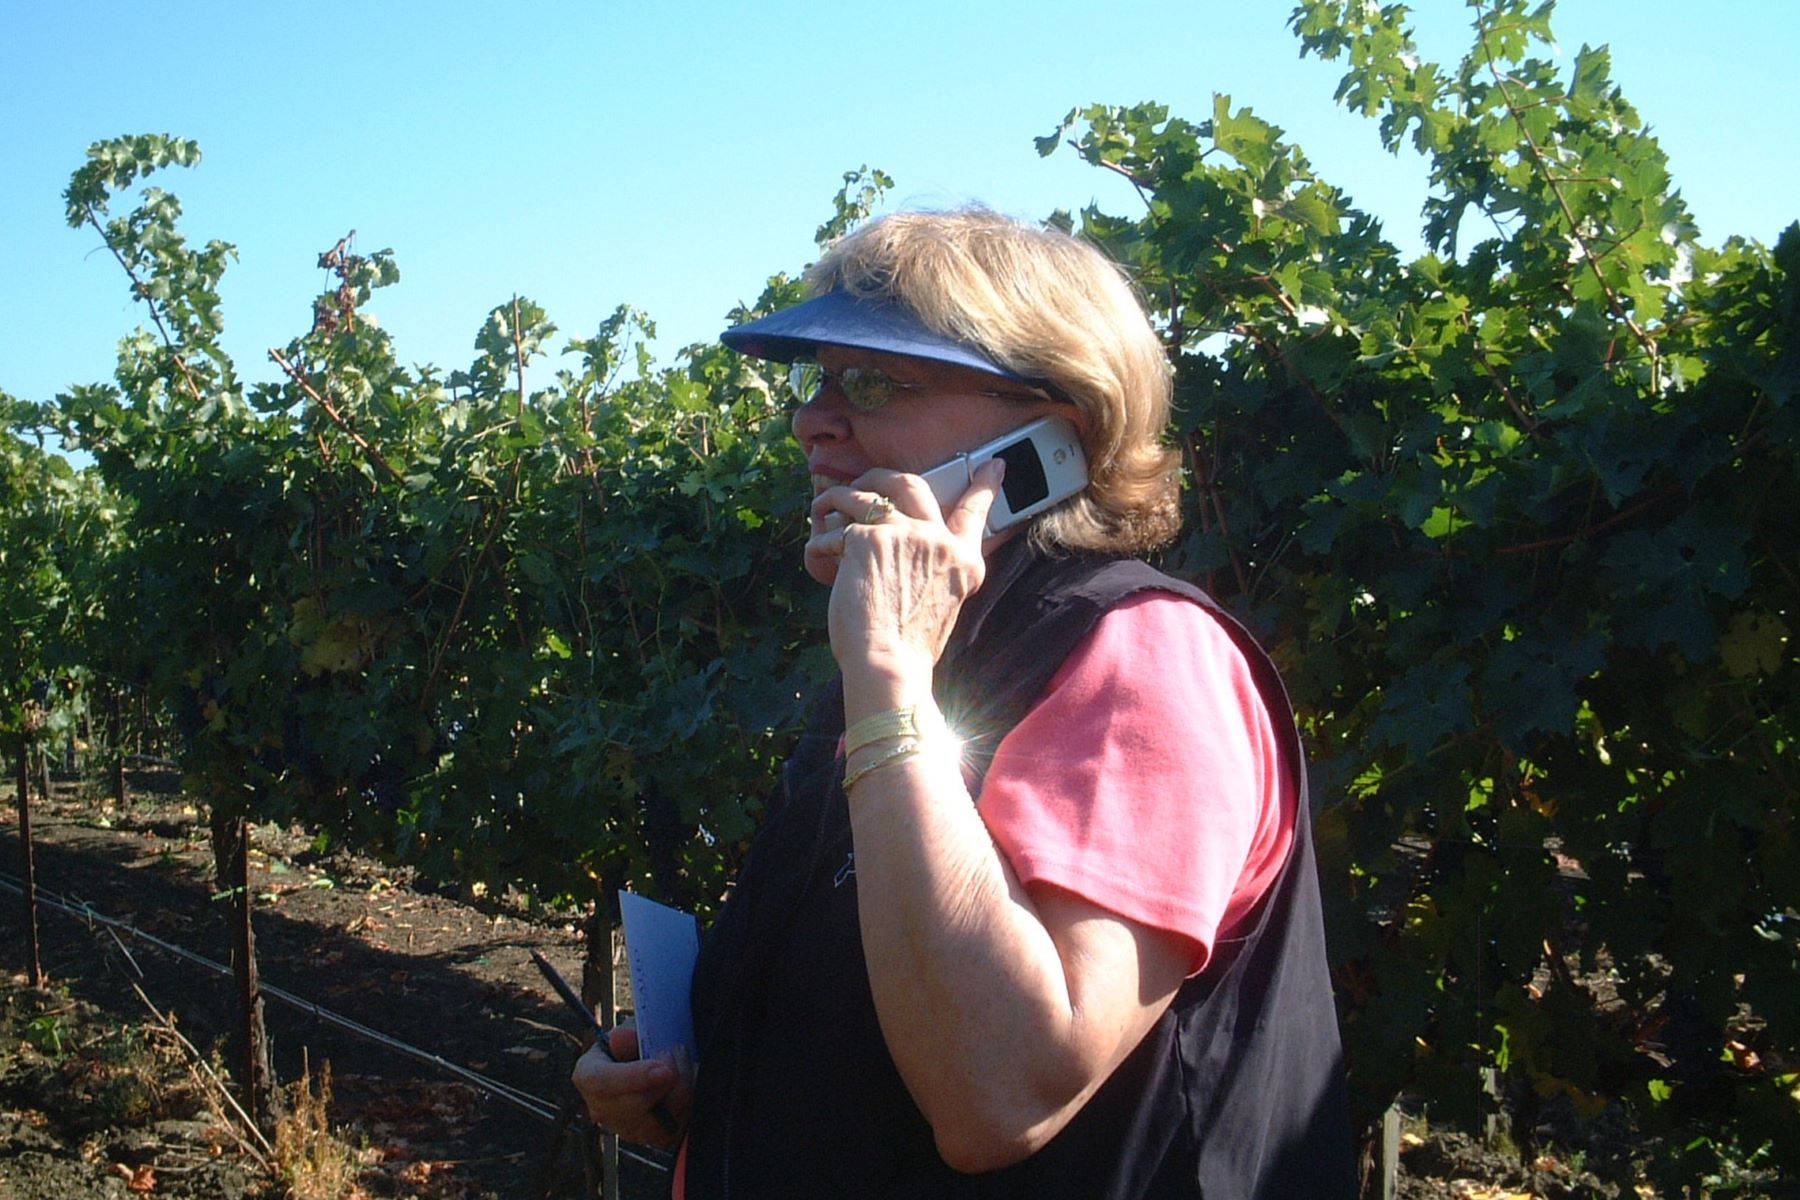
(967,518)
(823,555)
(827,513)
(623,1041)
(681,1095)
(854,502)
(601,1078)
(839,507)
(620,1096)
(910,494)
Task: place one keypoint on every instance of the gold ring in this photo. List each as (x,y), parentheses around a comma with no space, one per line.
(879,511)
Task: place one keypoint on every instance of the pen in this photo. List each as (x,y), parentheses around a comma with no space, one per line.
(573,1000)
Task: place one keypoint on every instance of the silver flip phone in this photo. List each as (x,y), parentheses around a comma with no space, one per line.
(1044,465)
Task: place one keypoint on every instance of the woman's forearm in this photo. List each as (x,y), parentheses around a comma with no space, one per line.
(970,986)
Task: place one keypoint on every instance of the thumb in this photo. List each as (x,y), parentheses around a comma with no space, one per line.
(622,1040)
(968,518)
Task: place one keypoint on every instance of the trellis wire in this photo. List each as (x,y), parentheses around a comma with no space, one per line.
(536,1106)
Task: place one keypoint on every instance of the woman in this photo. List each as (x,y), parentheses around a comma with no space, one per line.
(1034,913)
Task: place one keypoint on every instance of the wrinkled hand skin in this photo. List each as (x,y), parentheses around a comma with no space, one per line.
(620,1096)
(897,585)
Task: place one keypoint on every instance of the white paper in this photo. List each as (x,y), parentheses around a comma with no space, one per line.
(661,944)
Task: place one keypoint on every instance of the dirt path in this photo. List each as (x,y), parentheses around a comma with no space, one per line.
(451,978)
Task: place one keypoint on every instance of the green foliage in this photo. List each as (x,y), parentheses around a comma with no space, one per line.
(54,522)
(45,1034)
(862,192)
(1517,518)
(537,637)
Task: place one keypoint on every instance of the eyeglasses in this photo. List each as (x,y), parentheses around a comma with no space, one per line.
(868,388)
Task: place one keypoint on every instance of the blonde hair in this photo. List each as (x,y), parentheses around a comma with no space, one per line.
(1053,309)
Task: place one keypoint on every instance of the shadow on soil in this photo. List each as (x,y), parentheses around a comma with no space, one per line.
(423,969)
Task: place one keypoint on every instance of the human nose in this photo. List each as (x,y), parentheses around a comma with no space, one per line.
(821,419)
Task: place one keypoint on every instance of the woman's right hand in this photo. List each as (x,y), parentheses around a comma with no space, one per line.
(898,583)
(621,1096)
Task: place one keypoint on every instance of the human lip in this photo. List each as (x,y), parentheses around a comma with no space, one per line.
(823,477)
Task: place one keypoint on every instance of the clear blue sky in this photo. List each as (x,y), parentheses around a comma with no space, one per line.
(672,154)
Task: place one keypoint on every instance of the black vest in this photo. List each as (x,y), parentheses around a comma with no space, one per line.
(1235,1092)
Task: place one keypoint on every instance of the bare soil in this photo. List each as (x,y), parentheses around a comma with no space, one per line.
(92,1108)
(96,1100)
(449,975)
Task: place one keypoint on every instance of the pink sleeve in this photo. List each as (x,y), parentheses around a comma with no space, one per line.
(1148,780)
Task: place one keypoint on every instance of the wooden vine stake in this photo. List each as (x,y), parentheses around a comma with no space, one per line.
(599,987)
(118,747)
(231,858)
(34,970)
(42,759)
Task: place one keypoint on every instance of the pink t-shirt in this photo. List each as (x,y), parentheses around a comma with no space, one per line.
(1149,780)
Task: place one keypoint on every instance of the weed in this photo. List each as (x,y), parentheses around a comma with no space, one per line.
(311,1161)
(109,1085)
(127,1090)
(46,1035)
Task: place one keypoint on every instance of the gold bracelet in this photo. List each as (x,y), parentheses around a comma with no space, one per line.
(910,748)
(908,722)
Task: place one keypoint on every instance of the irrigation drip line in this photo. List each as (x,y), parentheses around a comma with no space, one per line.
(536,1106)
(523,1100)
